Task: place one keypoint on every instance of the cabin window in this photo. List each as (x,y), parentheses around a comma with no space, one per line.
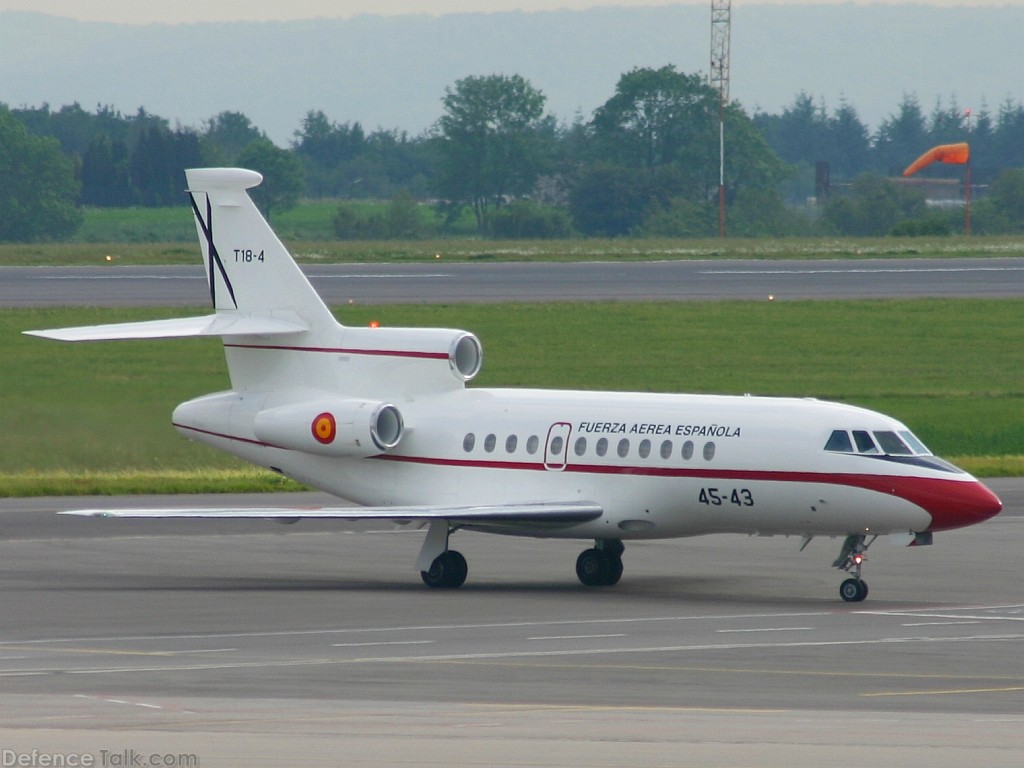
(645,449)
(511,443)
(581,446)
(489,442)
(709,451)
(602,446)
(623,449)
(666,449)
(687,450)
(839,441)
(557,443)
(892,445)
(864,442)
(532,444)
(468,442)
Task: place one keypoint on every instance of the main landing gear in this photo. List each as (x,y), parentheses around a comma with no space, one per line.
(440,567)
(602,565)
(851,559)
(448,571)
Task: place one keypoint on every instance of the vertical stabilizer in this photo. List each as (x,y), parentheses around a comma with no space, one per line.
(248,269)
(252,277)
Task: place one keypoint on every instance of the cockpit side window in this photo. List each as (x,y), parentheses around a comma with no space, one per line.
(916,445)
(864,442)
(875,443)
(839,441)
(892,445)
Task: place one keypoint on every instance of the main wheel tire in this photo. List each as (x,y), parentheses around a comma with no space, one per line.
(460,569)
(853,590)
(448,571)
(594,567)
(615,573)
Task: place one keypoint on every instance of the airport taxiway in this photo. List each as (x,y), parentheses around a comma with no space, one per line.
(251,643)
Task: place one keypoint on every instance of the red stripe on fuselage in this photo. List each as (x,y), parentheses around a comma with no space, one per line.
(346,351)
(951,503)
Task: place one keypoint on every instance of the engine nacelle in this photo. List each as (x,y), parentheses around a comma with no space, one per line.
(460,349)
(332,427)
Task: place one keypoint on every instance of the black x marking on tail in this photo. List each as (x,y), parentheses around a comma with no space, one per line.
(214,256)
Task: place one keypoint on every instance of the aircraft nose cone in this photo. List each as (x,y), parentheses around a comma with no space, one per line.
(962,505)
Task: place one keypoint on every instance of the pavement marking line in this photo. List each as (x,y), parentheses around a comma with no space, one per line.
(109,651)
(888,675)
(77,278)
(950,692)
(314,276)
(516,654)
(419,628)
(395,642)
(860,270)
(576,637)
(770,629)
(936,623)
(951,616)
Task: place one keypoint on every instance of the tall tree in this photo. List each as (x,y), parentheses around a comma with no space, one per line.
(37,186)
(158,164)
(283,181)
(229,133)
(902,137)
(848,147)
(800,133)
(658,117)
(488,141)
(664,124)
(105,176)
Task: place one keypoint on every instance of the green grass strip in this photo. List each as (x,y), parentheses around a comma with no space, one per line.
(951,369)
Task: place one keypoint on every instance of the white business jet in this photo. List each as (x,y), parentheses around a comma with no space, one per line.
(383,417)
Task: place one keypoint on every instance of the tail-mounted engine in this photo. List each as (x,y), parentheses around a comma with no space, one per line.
(410,359)
(332,427)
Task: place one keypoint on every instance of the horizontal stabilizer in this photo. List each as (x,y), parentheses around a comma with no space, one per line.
(221,324)
(555,513)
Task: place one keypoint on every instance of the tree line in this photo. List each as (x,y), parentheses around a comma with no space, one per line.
(644,163)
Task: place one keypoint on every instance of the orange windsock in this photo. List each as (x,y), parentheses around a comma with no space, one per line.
(954,154)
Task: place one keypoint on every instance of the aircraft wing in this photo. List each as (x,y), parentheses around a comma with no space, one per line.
(544,513)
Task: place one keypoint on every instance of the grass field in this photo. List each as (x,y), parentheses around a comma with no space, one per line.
(93,418)
(168,236)
(327,251)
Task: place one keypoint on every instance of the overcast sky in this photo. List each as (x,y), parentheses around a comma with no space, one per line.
(179,11)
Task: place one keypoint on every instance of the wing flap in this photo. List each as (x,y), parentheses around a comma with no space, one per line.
(551,513)
(221,324)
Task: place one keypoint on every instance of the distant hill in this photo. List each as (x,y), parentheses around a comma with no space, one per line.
(392,72)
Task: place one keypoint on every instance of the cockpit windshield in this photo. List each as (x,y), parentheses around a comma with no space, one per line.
(876,442)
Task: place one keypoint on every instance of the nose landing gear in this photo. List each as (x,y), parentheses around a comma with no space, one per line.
(851,559)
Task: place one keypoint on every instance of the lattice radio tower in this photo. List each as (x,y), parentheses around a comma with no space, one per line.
(719,80)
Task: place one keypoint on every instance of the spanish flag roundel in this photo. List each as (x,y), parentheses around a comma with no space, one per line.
(324,428)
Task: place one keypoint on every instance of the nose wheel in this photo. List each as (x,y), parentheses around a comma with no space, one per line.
(851,559)
(853,590)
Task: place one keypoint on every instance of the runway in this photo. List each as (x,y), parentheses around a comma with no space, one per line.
(248,643)
(541,281)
